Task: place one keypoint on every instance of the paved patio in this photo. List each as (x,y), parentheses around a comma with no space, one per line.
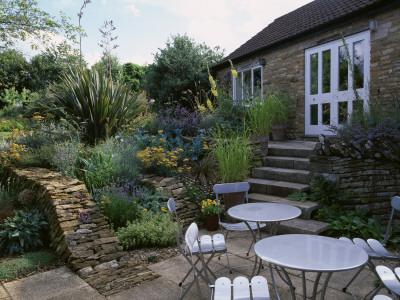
(63,284)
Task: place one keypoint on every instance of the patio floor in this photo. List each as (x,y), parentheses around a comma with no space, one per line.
(172,271)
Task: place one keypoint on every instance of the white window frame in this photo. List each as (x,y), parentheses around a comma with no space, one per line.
(334,96)
(241,78)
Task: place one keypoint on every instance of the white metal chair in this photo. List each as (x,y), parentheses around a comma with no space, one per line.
(390,280)
(237,187)
(375,249)
(209,245)
(257,289)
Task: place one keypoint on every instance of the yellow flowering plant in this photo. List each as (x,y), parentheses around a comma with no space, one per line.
(210,207)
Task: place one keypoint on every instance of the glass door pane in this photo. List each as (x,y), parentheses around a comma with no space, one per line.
(257,82)
(314,73)
(326,71)
(358,64)
(343,69)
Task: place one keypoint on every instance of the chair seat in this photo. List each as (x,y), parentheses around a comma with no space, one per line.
(241,226)
(363,244)
(382,297)
(241,288)
(380,250)
(389,279)
(210,245)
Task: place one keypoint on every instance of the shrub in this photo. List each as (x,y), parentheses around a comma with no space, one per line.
(92,100)
(198,191)
(25,232)
(65,157)
(325,191)
(122,203)
(154,230)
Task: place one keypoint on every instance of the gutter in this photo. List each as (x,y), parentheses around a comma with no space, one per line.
(366,12)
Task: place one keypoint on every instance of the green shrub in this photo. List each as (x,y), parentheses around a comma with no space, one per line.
(14,268)
(325,191)
(121,203)
(154,230)
(25,232)
(65,157)
(92,100)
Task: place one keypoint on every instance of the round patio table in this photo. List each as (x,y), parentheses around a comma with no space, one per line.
(261,213)
(309,253)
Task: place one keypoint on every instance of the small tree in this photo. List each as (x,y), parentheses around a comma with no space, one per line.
(106,31)
(134,74)
(178,67)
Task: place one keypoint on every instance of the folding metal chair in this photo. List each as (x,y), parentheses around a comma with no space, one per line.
(209,245)
(237,187)
(375,250)
(222,289)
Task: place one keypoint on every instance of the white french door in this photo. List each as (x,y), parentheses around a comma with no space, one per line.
(330,82)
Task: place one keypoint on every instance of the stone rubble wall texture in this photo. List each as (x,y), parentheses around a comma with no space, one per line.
(91,249)
(285,68)
(370,184)
(168,187)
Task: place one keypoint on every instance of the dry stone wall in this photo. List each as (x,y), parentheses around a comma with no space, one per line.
(92,249)
(370,184)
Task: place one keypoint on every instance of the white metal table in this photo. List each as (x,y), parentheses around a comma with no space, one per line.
(262,213)
(309,253)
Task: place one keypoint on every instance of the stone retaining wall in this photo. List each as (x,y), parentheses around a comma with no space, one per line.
(168,187)
(370,183)
(92,249)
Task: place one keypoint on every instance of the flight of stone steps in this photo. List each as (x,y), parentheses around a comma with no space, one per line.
(285,171)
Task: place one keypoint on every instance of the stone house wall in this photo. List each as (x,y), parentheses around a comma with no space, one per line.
(285,67)
(369,183)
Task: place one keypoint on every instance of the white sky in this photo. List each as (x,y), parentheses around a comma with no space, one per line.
(143,26)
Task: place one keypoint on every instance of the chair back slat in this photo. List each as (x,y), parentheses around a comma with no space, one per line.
(396,202)
(389,279)
(241,288)
(191,236)
(236,187)
(259,288)
(223,289)
(178,232)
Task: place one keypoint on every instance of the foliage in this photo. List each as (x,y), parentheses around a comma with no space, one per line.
(7,194)
(154,230)
(210,207)
(260,115)
(375,125)
(26,264)
(198,191)
(297,196)
(13,70)
(166,154)
(65,157)
(21,19)
(230,115)
(111,63)
(25,232)
(234,157)
(325,191)
(98,170)
(121,203)
(11,97)
(92,100)
(134,74)
(280,106)
(177,68)
(178,118)
(7,125)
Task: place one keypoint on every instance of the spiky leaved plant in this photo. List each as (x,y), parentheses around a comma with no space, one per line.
(94,102)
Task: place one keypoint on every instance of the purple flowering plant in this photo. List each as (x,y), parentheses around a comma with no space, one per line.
(84,217)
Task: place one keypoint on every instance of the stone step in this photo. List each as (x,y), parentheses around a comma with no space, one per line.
(291,148)
(276,188)
(301,226)
(281,174)
(287,162)
(306,207)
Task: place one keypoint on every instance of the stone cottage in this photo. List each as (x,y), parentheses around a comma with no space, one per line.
(303,53)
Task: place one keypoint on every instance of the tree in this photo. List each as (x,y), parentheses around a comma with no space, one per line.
(106,31)
(134,74)
(13,70)
(46,68)
(20,19)
(178,67)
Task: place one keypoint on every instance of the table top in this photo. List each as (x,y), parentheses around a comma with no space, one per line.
(264,212)
(310,253)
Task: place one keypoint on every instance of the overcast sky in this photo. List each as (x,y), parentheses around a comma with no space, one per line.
(143,26)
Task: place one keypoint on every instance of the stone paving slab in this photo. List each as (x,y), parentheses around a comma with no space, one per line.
(60,283)
(3,293)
